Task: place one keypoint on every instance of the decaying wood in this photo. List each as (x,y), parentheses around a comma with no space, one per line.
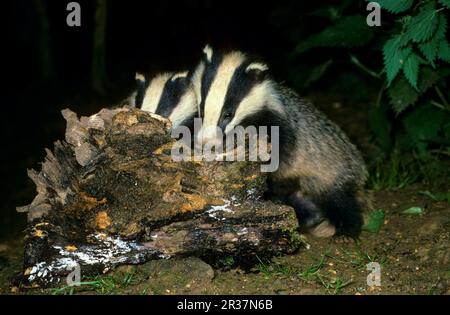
(110,194)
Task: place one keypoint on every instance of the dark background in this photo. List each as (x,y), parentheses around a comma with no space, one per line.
(48,66)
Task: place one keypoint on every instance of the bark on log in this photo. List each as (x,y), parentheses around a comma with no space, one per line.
(110,194)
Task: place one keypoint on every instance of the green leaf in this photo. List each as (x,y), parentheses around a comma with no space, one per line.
(422,125)
(445,3)
(444,50)
(437,196)
(428,77)
(317,72)
(375,221)
(430,48)
(402,94)
(442,26)
(395,6)
(413,210)
(349,31)
(411,69)
(428,194)
(394,57)
(444,73)
(422,26)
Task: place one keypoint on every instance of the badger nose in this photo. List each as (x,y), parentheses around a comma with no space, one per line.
(209,135)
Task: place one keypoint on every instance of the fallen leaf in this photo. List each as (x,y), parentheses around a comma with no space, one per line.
(413,210)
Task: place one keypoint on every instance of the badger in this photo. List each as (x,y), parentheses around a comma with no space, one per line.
(168,94)
(321,174)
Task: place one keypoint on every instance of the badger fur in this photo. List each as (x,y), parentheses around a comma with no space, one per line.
(321,173)
(170,95)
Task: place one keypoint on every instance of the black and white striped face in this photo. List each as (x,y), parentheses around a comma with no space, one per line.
(233,89)
(170,95)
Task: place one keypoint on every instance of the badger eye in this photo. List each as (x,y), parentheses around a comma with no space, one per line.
(227,116)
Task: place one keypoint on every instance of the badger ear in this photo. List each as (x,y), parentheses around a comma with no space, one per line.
(208,53)
(140,78)
(257,70)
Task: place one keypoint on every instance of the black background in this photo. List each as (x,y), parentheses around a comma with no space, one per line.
(140,35)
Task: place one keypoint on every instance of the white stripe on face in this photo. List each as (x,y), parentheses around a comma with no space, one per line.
(261,96)
(180,75)
(215,99)
(185,109)
(197,82)
(131,100)
(250,104)
(154,92)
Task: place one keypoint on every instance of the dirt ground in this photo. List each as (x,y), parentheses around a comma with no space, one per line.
(412,250)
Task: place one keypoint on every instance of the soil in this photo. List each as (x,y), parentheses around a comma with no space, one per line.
(412,250)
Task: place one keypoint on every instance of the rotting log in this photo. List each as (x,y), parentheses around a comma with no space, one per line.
(110,194)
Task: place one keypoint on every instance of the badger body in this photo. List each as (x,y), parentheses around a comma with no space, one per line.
(170,95)
(321,173)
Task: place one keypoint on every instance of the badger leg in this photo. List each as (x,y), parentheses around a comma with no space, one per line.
(334,212)
(343,209)
(308,214)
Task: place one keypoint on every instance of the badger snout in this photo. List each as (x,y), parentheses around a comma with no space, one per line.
(209,135)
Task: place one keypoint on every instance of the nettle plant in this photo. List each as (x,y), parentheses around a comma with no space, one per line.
(419,49)
(412,52)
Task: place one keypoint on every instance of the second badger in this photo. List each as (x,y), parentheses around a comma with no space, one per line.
(168,94)
(321,173)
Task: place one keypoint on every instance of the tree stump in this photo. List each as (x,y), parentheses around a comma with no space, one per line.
(110,194)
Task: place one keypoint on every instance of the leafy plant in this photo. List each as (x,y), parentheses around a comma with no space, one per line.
(332,284)
(315,268)
(342,34)
(408,58)
(270,269)
(103,284)
(394,173)
(226,262)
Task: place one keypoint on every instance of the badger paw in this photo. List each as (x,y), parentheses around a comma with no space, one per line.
(323,229)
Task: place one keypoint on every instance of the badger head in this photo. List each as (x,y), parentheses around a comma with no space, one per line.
(233,89)
(167,94)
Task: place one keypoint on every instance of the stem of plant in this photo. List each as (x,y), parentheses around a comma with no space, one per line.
(441,96)
(380,94)
(438,105)
(440,152)
(358,63)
